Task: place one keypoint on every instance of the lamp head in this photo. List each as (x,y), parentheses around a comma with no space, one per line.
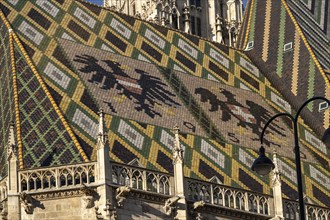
(262,165)
(326,136)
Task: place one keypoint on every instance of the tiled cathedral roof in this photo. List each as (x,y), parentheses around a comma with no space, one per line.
(282,53)
(72,58)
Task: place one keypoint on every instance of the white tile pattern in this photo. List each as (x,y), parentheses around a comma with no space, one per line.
(245,158)
(315,142)
(131,134)
(84,17)
(143,58)
(281,102)
(189,49)
(155,39)
(320,177)
(67,36)
(168,140)
(219,58)
(213,153)
(287,171)
(249,66)
(115,24)
(85,123)
(30,32)
(105,47)
(57,75)
(48,7)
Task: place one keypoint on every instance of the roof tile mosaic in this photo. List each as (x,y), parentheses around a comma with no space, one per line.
(295,72)
(134,133)
(45,139)
(6,96)
(313,17)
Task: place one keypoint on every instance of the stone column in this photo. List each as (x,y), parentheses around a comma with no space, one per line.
(179,177)
(277,191)
(211,27)
(103,171)
(14,209)
(186,18)
(219,29)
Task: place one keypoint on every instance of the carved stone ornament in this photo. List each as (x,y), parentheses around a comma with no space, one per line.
(88,198)
(195,209)
(12,148)
(177,149)
(170,205)
(121,193)
(110,211)
(27,202)
(3,210)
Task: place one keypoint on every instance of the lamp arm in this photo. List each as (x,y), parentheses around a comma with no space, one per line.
(270,120)
(307,102)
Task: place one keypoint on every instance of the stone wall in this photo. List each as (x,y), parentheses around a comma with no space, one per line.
(139,209)
(66,208)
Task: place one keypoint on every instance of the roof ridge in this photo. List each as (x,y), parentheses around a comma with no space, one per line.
(15,91)
(51,99)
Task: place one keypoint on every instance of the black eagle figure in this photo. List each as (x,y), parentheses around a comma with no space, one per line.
(146,90)
(254,115)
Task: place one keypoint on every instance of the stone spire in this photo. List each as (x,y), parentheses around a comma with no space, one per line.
(218,26)
(12,148)
(102,137)
(178,162)
(103,167)
(13,200)
(186,18)
(277,190)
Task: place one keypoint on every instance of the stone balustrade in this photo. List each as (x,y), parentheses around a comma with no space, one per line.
(224,196)
(313,212)
(142,179)
(56,177)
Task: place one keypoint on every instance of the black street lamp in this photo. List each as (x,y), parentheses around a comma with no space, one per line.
(263,165)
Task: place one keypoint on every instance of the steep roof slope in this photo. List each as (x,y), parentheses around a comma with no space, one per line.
(283,54)
(6,95)
(313,18)
(82,57)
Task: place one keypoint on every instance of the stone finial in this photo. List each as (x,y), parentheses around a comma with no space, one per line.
(177,149)
(102,137)
(186,17)
(276,178)
(12,148)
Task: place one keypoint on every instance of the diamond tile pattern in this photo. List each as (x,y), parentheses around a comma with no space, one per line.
(6,96)
(44,137)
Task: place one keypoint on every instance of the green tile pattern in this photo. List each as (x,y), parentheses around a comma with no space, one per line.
(6,96)
(45,140)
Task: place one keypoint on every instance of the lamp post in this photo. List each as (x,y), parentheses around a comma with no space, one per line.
(263,165)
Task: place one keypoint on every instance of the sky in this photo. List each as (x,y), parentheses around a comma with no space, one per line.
(98,2)
(244,2)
